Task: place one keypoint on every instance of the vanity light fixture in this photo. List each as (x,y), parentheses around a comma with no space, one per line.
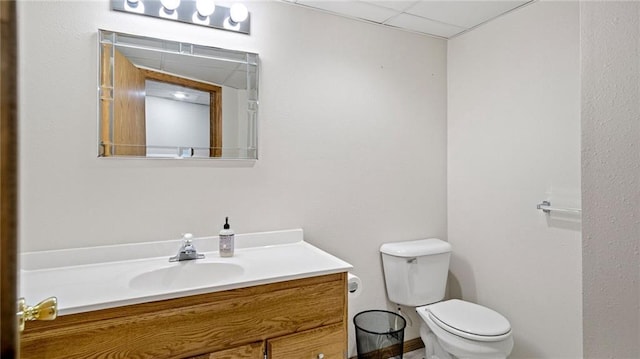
(170,5)
(204,9)
(168,9)
(198,12)
(136,6)
(238,13)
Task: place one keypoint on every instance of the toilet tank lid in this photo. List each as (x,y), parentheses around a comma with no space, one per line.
(416,248)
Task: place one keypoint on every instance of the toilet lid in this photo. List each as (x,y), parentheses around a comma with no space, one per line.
(469,320)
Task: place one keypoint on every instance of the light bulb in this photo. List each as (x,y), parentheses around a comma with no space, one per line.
(170,5)
(205,7)
(136,6)
(230,25)
(238,13)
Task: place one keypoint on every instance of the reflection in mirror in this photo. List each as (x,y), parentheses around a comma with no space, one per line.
(169,99)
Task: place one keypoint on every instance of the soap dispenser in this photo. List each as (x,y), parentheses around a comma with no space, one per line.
(226,240)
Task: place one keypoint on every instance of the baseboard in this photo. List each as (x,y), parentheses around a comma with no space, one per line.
(408,346)
(413,344)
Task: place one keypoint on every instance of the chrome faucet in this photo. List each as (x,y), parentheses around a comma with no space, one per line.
(187,251)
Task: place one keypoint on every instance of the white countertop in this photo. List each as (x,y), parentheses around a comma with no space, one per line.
(93,278)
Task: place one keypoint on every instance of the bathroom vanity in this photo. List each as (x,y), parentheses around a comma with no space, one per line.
(270,306)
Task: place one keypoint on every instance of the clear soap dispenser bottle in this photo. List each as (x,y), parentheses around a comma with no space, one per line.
(226,240)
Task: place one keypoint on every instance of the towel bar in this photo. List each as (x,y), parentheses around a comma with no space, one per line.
(545,207)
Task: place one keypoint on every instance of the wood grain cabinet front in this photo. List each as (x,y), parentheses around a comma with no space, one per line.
(249,351)
(293,318)
(320,343)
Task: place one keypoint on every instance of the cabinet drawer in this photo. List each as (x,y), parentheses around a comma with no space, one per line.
(328,342)
(249,351)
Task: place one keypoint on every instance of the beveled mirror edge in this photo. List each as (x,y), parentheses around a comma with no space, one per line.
(252,107)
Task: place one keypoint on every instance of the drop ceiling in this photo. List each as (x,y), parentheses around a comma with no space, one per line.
(444,19)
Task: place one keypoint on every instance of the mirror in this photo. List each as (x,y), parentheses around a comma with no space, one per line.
(169,99)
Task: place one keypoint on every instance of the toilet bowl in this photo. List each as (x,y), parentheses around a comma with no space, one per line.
(465,330)
(415,275)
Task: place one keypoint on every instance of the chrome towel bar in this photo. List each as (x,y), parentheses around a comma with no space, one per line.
(545,207)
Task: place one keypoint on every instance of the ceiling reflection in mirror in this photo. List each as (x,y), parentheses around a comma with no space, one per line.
(168,99)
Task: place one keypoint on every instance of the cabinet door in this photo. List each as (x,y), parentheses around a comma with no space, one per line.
(249,351)
(328,342)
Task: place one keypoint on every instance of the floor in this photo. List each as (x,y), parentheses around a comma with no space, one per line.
(416,354)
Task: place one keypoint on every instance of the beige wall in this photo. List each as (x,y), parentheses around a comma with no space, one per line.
(610,45)
(353,150)
(513,141)
(352,127)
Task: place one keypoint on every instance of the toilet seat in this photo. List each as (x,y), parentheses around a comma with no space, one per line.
(469,320)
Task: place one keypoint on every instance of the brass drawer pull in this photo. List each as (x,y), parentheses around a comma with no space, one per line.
(45,310)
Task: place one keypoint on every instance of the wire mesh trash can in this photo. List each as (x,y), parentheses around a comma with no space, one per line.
(379,334)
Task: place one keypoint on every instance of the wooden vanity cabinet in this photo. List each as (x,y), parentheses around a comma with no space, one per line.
(301,318)
(323,342)
(249,351)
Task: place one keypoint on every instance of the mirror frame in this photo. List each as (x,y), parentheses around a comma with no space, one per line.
(111,118)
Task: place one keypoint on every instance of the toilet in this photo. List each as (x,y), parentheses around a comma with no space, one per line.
(416,276)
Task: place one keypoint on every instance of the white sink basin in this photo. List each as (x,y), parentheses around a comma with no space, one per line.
(185,274)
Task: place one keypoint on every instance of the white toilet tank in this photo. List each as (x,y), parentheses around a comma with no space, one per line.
(416,271)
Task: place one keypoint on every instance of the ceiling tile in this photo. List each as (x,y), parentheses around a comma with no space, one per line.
(465,14)
(419,24)
(358,9)
(444,18)
(399,5)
